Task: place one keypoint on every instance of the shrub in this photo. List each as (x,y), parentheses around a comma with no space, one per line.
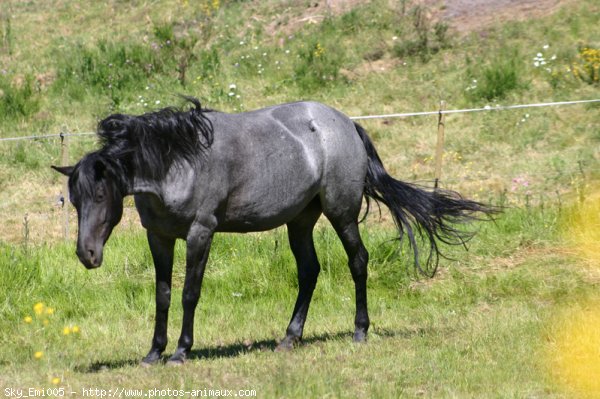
(109,68)
(497,79)
(587,66)
(420,42)
(317,66)
(18,100)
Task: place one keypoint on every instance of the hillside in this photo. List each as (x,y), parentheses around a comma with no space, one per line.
(65,66)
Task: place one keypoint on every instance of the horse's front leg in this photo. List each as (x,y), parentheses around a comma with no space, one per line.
(162,254)
(198,245)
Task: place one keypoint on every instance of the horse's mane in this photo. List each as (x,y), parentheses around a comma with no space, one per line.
(150,144)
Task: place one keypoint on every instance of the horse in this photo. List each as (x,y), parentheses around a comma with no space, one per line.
(195,172)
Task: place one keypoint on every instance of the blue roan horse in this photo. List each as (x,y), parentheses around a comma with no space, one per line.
(197,172)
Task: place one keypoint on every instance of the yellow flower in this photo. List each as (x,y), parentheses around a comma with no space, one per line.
(49,310)
(38,308)
(55,381)
(27,319)
(75,329)
(38,355)
(67,330)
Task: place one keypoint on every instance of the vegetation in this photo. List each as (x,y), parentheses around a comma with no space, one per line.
(513,317)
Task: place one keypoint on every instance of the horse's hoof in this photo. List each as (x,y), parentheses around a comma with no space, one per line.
(177,359)
(287,344)
(360,337)
(151,358)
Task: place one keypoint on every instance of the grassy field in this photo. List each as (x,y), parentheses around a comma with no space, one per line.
(515,316)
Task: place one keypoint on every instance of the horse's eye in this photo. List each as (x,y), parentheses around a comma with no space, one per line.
(100,194)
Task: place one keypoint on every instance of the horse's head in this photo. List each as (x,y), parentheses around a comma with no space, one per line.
(97,194)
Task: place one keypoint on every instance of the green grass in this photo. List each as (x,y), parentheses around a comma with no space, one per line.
(482,328)
(480,322)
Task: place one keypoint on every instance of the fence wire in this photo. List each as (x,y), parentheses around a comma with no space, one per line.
(363,117)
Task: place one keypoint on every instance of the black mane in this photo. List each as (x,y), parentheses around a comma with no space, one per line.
(151,143)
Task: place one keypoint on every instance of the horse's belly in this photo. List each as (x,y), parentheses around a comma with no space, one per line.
(262,208)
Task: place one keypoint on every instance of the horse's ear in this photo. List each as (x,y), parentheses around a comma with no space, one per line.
(65,170)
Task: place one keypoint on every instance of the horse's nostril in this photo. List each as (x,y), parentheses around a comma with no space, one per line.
(91,253)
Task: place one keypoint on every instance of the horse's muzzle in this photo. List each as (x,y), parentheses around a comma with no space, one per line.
(90,258)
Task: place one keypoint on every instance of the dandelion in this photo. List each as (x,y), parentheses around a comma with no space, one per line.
(66,330)
(319,50)
(49,311)
(38,355)
(55,381)
(38,308)
(27,319)
(75,329)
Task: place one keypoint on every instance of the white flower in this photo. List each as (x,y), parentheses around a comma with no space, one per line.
(546,46)
(540,54)
(537,63)
(231,94)
(287,51)
(242,43)
(395,38)
(232,86)
(157,102)
(553,57)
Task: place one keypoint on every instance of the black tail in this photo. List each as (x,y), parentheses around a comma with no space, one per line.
(433,213)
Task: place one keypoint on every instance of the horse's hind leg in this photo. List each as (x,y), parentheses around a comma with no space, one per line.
(358,258)
(300,232)
(341,205)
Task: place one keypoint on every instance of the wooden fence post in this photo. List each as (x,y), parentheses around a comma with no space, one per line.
(64,156)
(439,148)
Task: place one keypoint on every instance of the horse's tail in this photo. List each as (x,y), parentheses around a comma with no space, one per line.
(432,213)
